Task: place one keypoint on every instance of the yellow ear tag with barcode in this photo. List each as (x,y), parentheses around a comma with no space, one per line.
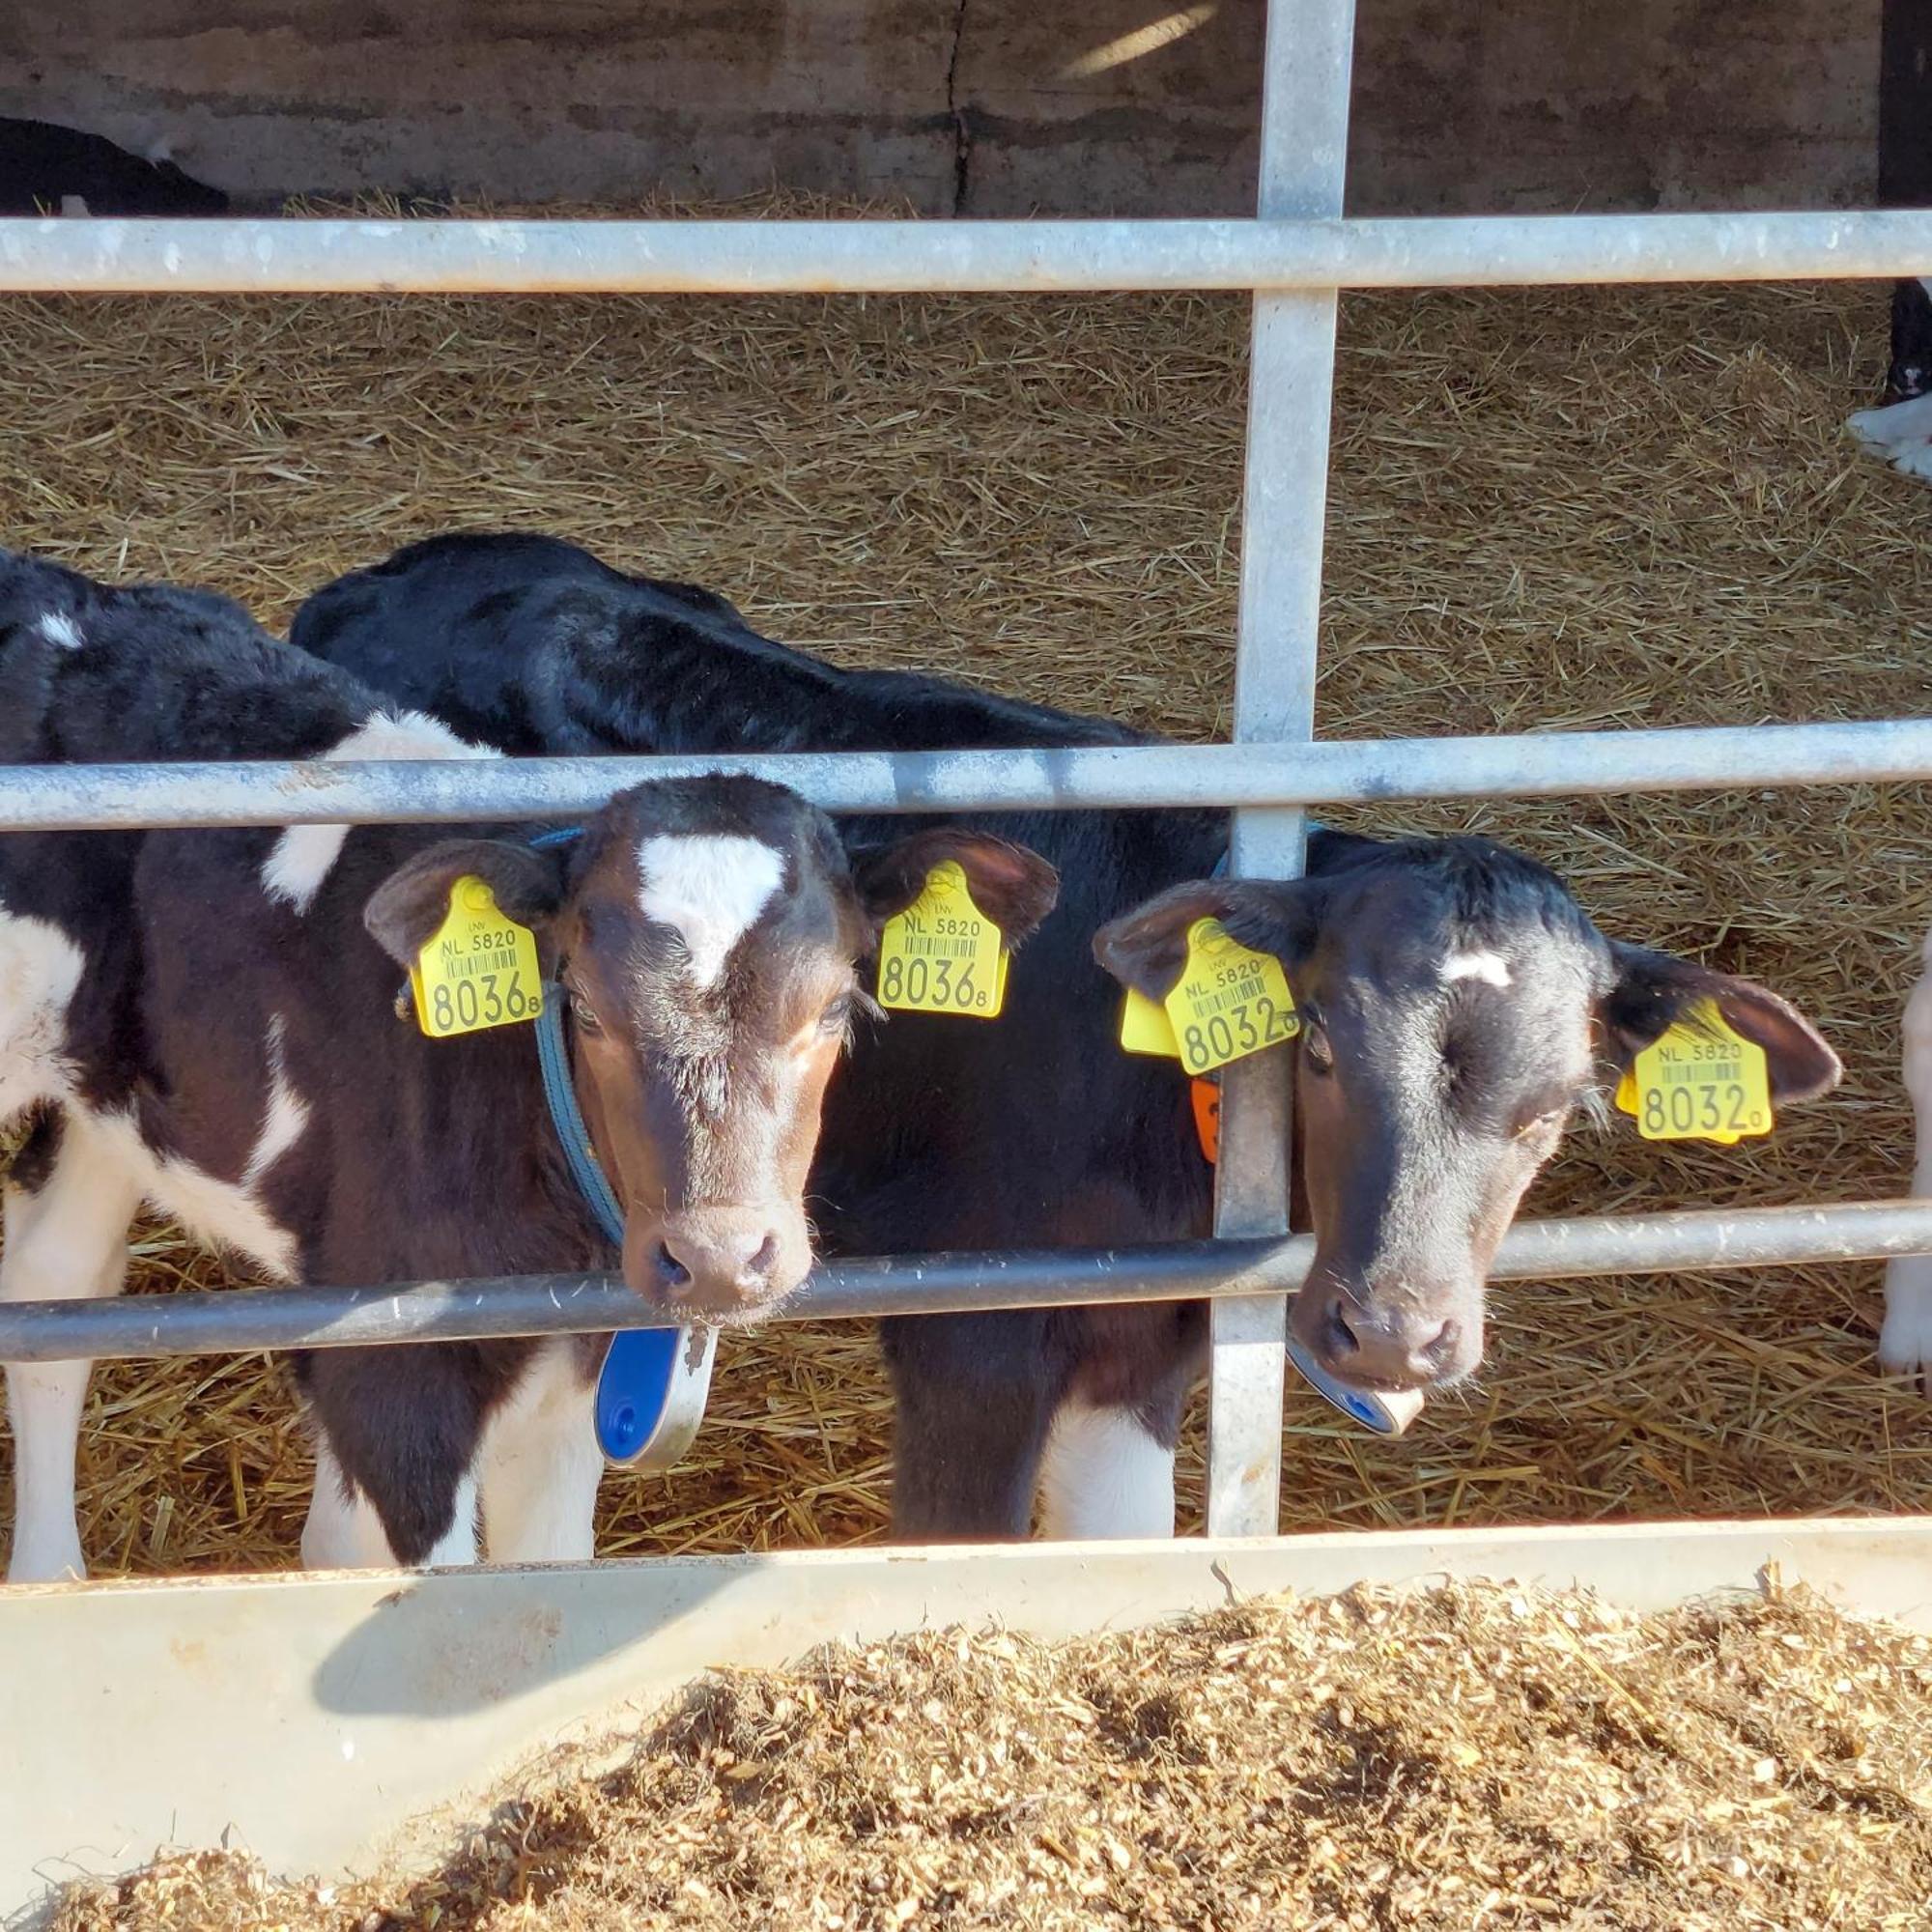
(1144,1027)
(942,955)
(1229,1000)
(1701,1082)
(480,969)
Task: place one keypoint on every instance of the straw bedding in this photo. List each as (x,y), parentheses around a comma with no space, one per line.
(1563,509)
(1467,1757)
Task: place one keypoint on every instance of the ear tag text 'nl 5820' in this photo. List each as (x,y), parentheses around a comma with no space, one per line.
(479,970)
(1700,1081)
(942,955)
(1228,1002)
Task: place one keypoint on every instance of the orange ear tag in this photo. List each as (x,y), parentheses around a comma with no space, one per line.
(1207,1117)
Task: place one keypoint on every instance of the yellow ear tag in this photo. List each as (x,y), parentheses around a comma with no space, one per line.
(1702,1082)
(942,955)
(480,969)
(1144,1027)
(1229,1001)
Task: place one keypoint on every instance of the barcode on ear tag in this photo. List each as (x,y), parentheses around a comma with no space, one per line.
(1700,1081)
(1228,1002)
(479,970)
(942,955)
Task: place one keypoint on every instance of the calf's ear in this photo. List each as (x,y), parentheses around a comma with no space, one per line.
(1653,991)
(1014,887)
(405,911)
(1146,948)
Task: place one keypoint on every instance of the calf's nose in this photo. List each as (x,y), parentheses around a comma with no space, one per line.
(719,1261)
(1381,1347)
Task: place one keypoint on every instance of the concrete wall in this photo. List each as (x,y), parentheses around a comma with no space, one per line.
(974,107)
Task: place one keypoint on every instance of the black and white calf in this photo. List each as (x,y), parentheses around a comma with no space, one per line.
(1457,1006)
(1462,1003)
(212,1026)
(1900,429)
(48,169)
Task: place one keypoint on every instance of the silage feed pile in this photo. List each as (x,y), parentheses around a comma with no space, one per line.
(1561,509)
(1470,1757)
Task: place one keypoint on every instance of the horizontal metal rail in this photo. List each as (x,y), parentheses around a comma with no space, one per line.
(229,1322)
(293,256)
(1326,772)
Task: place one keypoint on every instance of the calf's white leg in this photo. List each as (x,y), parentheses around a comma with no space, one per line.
(1905,1342)
(1104,1475)
(65,1238)
(343,1532)
(539,1465)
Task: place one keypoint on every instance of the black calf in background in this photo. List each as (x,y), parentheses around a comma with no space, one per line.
(43,168)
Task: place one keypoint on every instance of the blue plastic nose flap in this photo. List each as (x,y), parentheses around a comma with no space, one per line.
(651,1393)
(1386,1415)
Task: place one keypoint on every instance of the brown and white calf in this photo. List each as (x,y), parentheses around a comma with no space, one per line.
(209,1024)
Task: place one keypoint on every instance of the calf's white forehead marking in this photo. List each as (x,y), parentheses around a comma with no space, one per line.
(58,628)
(710,887)
(301,858)
(1492,968)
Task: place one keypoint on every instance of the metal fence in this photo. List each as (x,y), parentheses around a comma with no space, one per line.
(1294,256)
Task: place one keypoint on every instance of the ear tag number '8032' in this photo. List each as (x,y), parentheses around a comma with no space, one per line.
(942,955)
(1701,1081)
(1229,1001)
(479,970)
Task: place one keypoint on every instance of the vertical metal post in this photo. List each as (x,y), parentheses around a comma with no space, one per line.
(1303,160)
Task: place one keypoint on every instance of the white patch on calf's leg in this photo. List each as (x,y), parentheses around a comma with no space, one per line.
(1905,1341)
(219,1213)
(300,859)
(538,1465)
(1104,1476)
(58,628)
(343,1532)
(456,1548)
(1492,968)
(39,971)
(286,1114)
(710,889)
(64,1241)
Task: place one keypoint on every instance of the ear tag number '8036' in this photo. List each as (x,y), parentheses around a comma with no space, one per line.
(1229,1001)
(479,970)
(942,955)
(1701,1081)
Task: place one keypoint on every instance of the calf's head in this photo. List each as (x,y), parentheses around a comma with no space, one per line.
(1456,1004)
(706,935)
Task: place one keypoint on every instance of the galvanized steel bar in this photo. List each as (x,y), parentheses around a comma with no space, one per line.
(232,1322)
(1290,383)
(291,256)
(1326,772)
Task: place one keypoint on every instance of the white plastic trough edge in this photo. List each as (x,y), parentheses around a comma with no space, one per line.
(308,1718)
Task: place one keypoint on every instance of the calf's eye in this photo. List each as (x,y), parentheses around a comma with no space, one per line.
(584,1015)
(835,1016)
(1315,1050)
